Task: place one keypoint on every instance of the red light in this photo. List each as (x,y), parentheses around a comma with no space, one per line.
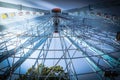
(56,10)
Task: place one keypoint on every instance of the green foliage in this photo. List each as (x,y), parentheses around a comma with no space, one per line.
(40,73)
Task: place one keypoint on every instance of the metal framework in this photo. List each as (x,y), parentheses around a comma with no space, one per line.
(76,46)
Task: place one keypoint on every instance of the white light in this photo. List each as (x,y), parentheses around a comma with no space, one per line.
(6,10)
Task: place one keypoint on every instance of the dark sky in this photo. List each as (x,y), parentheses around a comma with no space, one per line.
(69,4)
(64,4)
(49,4)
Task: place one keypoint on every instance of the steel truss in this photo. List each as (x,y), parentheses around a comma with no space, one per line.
(74,41)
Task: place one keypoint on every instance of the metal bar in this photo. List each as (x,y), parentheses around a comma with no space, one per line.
(64,52)
(67,57)
(45,54)
(107,36)
(54,65)
(37,60)
(7,54)
(101,40)
(111,60)
(90,60)
(21,60)
(93,34)
(43,60)
(70,60)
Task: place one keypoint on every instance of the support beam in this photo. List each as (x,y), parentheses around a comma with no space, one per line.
(111,61)
(94,34)
(7,54)
(9,72)
(47,44)
(68,63)
(94,65)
